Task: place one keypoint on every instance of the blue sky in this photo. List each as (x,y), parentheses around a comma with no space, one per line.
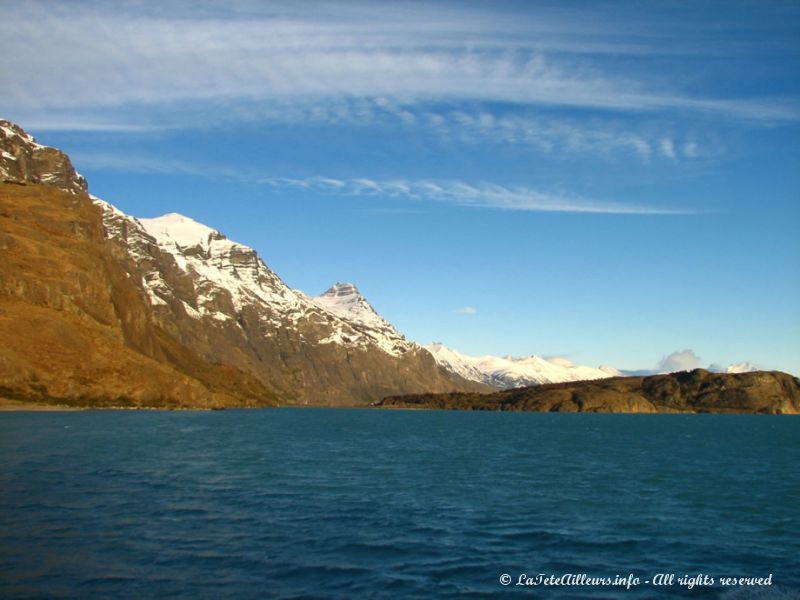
(617,183)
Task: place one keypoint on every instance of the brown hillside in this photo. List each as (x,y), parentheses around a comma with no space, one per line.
(74,327)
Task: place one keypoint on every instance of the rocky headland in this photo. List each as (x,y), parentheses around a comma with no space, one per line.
(697,391)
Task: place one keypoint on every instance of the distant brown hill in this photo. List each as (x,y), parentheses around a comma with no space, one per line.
(696,391)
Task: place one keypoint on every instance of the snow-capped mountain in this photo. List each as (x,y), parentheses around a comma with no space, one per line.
(220,298)
(511,372)
(229,277)
(345,301)
(189,298)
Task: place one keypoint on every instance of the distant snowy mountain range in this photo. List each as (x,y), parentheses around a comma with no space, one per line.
(512,372)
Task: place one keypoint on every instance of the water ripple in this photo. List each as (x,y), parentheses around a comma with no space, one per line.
(401,504)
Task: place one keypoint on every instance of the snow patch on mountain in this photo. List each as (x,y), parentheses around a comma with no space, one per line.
(510,371)
(345,301)
(140,245)
(460,364)
(182,231)
(611,371)
(229,278)
(220,265)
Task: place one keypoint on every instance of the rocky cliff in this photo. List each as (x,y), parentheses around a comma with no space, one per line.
(74,328)
(22,160)
(692,391)
(99,307)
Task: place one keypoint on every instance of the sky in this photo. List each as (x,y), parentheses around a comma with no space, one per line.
(617,183)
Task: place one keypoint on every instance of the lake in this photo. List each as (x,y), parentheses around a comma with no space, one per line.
(350,503)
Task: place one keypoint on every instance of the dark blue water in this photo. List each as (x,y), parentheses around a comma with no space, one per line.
(393,504)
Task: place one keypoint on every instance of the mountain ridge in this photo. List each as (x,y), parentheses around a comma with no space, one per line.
(24,160)
(190,292)
(512,372)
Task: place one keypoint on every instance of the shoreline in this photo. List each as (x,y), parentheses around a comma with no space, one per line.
(9,405)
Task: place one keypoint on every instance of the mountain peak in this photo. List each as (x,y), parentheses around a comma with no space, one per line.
(174,217)
(342,290)
(23,160)
(344,300)
(9,130)
(181,230)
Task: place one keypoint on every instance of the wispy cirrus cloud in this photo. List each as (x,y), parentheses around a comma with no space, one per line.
(562,136)
(553,85)
(475,195)
(467,310)
(469,125)
(101,56)
(485,195)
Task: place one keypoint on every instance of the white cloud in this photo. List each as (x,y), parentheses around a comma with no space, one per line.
(668,148)
(434,70)
(546,134)
(467,310)
(481,195)
(90,57)
(683,360)
(454,192)
(606,138)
